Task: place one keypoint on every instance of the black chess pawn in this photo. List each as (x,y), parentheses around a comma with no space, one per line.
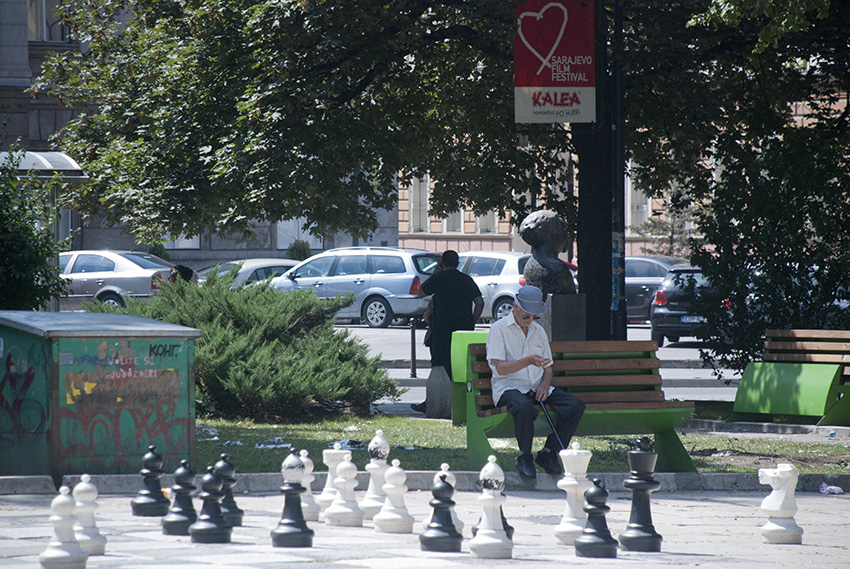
(596,539)
(225,471)
(182,513)
(640,534)
(441,534)
(150,501)
(292,531)
(211,527)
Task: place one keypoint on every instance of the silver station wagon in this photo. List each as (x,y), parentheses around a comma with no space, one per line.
(385,281)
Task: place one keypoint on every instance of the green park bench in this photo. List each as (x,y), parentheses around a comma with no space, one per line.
(618,381)
(803,373)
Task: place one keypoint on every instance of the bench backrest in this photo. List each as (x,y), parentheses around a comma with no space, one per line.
(809,346)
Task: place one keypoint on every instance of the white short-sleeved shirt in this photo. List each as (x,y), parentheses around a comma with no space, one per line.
(507,342)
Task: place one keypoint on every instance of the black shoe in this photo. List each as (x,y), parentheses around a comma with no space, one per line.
(548,460)
(525,466)
(418,407)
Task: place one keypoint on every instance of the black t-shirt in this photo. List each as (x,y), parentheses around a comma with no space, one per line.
(453,293)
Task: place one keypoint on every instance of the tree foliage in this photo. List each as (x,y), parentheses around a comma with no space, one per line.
(759,137)
(211,113)
(29,276)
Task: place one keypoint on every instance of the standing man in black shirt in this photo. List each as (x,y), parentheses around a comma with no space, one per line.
(457,306)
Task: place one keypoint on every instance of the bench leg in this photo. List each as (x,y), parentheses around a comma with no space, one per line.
(477,448)
(672,456)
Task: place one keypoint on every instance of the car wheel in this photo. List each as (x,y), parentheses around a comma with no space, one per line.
(111,299)
(502,308)
(673,338)
(657,338)
(377,312)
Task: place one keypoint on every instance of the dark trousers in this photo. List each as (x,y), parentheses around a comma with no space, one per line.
(521,405)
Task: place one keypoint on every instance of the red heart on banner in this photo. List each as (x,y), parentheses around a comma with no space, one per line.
(541,32)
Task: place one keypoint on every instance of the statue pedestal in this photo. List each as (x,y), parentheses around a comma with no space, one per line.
(565,318)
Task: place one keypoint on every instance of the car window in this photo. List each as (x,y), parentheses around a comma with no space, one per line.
(521,264)
(427,263)
(146,261)
(351,265)
(641,269)
(89,264)
(63,262)
(485,267)
(316,268)
(387,264)
(266,272)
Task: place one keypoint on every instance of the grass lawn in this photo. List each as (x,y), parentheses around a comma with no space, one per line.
(424,444)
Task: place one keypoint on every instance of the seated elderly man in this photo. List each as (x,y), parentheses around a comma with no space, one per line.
(520,359)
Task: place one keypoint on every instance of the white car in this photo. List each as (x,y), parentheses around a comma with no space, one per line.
(249,270)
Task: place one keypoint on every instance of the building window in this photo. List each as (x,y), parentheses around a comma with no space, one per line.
(291,230)
(487,222)
(420,193)
(183,243)
(454,221)
(44,22)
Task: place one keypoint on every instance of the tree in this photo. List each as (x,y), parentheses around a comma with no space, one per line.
(212,113)
(29,277)
(758,134)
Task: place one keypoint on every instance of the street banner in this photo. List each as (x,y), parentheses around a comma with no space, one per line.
(554,67)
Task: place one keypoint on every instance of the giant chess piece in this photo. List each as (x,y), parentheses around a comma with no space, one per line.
(87,534)
(379,450)
(150,501)
(292,531)
(440,534)
(393,517)
(575,484)
(225,471)
(331,457)
(451,479)
(211,526)
(491,541)
(344,510)
(596,539)
(780,505)
(64,552)
(640,534)
(309,507)
(182,513)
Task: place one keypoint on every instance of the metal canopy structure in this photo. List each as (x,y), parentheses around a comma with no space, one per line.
(48,164)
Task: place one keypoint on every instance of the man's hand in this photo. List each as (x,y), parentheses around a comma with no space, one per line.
(537,360)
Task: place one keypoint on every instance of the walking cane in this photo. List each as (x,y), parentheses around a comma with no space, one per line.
(551,424)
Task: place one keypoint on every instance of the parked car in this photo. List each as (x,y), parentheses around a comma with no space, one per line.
(643,277)
(249,270)
(498,274)
(110,276)
(671,315)
(385,281)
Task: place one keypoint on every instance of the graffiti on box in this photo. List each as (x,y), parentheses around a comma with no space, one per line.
(119,396)
(20,414)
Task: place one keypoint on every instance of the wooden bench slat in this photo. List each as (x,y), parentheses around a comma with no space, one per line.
(484,400)
(819,334)
(480,383)
(597,347)
(606,407)
(829,347)
(807,358)
(615,364)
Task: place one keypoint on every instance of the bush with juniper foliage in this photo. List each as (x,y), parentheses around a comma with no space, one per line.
(267,355)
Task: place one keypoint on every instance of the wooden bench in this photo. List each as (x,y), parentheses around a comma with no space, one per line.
(803,373)
(618,381)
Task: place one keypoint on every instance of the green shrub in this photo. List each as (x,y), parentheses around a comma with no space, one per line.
(267,355)
(299,250)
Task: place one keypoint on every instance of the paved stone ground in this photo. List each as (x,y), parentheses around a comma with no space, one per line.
(700,529)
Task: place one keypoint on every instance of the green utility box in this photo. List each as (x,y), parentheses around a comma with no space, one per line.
(89,393)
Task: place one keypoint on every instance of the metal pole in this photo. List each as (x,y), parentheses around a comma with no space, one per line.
(413,347)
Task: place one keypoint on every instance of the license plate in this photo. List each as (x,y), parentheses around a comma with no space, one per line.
(692,319)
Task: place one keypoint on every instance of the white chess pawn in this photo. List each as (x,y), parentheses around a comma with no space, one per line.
(491,541)
(64,552)
(452,481)
(344,510)
(575,484)
(379,450)
(87,534)
(308,504)
(331,457)
(780,505)
(393,517)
